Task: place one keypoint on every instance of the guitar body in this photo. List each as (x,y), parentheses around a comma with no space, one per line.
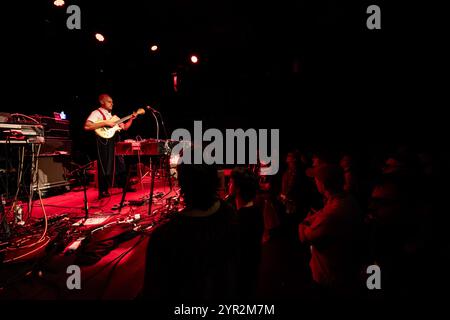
(108,132)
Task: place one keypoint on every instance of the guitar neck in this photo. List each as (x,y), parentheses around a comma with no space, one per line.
(123,119)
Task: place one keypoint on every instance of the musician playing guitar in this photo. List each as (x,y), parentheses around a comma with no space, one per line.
(102,118)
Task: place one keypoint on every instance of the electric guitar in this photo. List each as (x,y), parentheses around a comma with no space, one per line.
(109,132)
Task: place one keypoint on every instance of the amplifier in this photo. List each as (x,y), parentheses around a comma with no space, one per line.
(54,146)
(54,127)
(52,173)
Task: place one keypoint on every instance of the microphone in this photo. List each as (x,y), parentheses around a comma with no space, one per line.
(152,109)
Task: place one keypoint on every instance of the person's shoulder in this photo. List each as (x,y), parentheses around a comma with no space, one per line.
(167,228)
(333,207)
(227,212)
(94,113)
(226,207)
(252,210)
(344,205)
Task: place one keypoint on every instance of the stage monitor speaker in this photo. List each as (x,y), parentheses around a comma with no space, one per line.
(52,173)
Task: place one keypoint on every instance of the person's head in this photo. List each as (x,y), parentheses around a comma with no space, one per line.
(105,101)
(346,161)
(304,160)
(199,184)
(391,199)
(243,184)
(406,164)
(320,158)
(392,165)
(329,178)
(293,158)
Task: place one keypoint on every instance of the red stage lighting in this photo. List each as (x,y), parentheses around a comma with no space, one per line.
(58,3)
(175,81)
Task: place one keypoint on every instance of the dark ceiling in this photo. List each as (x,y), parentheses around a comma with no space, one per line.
(310,67)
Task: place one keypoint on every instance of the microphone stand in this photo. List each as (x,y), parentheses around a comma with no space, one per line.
(81,171)
(84,181)
(157,122)
(163,125)
(168,151)
(152,166)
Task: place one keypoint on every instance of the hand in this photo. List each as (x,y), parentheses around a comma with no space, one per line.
(109,123)
(301,231)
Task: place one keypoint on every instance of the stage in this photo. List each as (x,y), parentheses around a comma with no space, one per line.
(40,271)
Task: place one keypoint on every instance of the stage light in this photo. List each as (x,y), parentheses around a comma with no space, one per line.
(175,81)
(58,3)
(99,37)
(194,59)
(154,48)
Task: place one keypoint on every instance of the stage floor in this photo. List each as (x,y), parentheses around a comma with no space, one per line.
(43,274)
